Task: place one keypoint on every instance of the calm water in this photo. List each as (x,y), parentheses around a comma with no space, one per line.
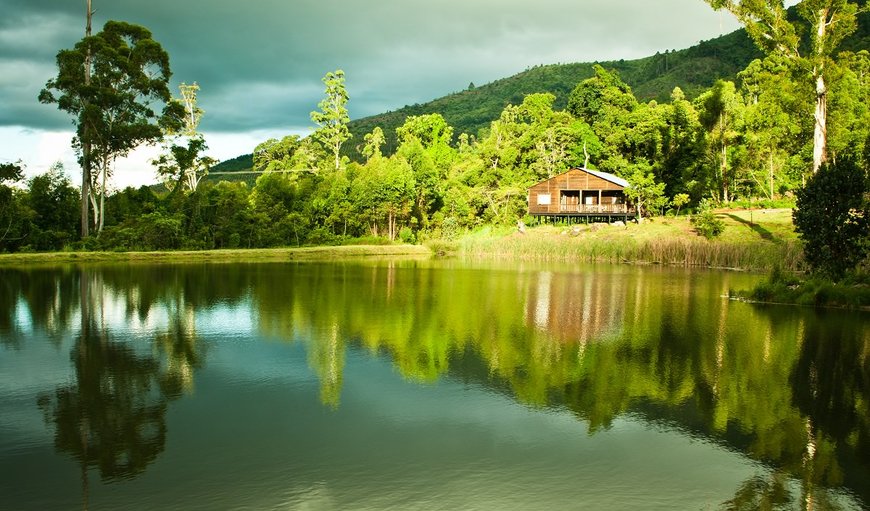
(424,385)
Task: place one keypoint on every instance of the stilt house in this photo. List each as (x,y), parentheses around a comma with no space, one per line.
(589,195)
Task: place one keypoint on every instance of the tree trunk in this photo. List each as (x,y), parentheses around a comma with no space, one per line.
(725,197)
(86,145)
(820,132)
(770,175)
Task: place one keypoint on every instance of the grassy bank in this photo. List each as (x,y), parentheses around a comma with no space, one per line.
(757,240)
(264,254)
(784,288)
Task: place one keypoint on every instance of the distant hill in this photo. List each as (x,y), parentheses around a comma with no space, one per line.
(651,78)
(693,70)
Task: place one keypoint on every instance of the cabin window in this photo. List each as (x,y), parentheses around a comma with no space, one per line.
(544,199)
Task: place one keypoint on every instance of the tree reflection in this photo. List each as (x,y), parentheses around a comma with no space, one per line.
(49,296)
(779,384)
(112,416)
(787,387)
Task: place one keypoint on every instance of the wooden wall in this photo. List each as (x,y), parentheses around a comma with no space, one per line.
(572,180)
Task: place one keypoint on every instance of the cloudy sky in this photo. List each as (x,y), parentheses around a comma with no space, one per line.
(259,62)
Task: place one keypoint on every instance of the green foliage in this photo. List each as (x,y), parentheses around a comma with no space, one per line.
(706,223)
(406,235)
(643,190)
(832,217)
(781,287)
(114,110)
(471,111)
(11,172)
(182,163)
(680,200)
(151,231)
(332,118)
(55,207)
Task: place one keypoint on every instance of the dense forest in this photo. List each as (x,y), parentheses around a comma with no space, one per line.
(463,161)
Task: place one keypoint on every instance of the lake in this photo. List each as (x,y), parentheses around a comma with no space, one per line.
(424,384)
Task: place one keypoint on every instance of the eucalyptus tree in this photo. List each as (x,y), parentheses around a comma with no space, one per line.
(849,106)
(721,111)
(275,155)
(773,124)
(332,118)
(182,161)
(382,193)
(424,142)
(373,143)
(830,21)
(114,109)
(10,216)
(606,103)
(682,146)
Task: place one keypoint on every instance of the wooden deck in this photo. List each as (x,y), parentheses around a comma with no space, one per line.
(593,209)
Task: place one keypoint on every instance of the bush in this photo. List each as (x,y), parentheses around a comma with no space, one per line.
(406,235)
(323,236)
(832,217)
(706,223)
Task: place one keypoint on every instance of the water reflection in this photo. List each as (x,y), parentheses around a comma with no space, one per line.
(787,387)
(112,414)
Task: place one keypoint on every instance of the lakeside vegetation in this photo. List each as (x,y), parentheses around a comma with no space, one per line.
(786,288)
(319,253)
(758,240)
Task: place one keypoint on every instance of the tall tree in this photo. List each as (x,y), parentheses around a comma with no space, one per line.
(332,118)
(114,109)
(773,124)
(182,161)
(721,110)
(373,143)
(9,214)
(830,21)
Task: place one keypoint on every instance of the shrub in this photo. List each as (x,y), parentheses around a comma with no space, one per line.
(706,222)
(406,235)
(832,217)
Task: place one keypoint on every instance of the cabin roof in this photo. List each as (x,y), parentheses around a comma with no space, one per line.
(597,173)
(607,177)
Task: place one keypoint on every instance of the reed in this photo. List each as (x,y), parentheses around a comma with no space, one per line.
(677,251)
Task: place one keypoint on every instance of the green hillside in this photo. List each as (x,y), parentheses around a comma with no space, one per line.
(651,78)
(693,69)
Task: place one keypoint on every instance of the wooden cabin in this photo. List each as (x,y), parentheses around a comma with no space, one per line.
(580,193)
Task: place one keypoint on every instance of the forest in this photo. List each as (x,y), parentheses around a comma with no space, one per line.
(751,139)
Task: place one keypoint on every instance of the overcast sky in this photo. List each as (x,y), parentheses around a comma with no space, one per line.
(259,62)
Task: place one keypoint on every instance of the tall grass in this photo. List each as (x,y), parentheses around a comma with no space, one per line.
(782,287)
(787,255)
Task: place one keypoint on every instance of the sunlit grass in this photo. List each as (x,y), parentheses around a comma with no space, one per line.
(760,244)
(261,254)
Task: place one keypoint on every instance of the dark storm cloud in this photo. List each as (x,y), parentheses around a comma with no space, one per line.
(259,62)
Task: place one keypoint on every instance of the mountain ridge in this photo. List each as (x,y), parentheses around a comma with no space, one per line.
(693,69)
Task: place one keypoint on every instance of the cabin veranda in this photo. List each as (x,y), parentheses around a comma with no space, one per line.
(581,195)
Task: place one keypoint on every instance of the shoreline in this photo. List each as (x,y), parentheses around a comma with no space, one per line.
(220,255)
